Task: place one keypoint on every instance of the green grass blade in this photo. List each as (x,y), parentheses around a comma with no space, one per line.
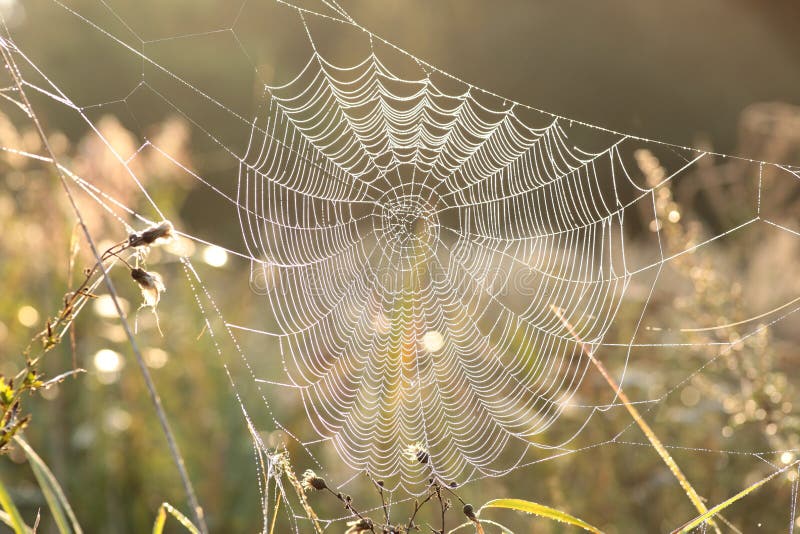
(6,520)
(161,518)
(541,511)
(14,517)
(64,517)
(699,520)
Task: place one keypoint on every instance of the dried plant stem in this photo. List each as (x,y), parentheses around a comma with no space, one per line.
(417,507)
(194,505)
(275,512)
(301,495)
(349,506)
(442,505)
(662,451)
(384,505)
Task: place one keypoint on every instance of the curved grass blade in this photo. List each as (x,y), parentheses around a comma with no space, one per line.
(503,529)
(541,511)
(64,517)
(161,518)
(662,451)
(6,520)
(15,520)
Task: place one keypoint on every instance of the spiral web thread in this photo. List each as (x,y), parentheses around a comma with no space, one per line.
(374,280)
(411,243)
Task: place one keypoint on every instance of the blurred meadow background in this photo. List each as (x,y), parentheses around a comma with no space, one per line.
(721,75)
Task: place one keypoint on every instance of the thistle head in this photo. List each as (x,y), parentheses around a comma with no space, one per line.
(157,234)
(312,482)
(151,285)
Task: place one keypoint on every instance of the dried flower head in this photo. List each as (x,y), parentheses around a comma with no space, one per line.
(158,234)
(312,482)
(151,285)
(359,525)
(418,453)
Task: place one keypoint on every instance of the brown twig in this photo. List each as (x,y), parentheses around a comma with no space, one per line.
(441,505)
(417,507)
(348,504)
(379,484)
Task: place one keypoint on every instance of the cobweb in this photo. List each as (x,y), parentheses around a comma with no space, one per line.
(410,211)
(429,261)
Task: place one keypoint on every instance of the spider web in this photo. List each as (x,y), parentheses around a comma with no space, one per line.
(411,212)
(430,260)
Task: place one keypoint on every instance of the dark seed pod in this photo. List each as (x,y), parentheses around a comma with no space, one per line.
(312,482)
(159,233)
(151,285)
(141,277)
(469,511)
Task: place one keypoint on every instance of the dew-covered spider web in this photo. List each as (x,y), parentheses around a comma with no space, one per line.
(420,264)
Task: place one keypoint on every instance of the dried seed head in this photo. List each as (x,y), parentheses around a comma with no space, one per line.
(151,285)
(157,234)
(469,511)
(418,453)
(312,482)
(360,525)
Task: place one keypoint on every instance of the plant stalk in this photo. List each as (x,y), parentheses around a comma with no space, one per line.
(194,505)
(662,451)
(17,523)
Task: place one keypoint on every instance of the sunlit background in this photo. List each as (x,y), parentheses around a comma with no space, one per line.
(720,75)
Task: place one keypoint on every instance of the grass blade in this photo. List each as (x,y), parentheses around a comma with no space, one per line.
(659,447)
(161,518)
(6,520)
(14,517)
(503,529)
(541,511)
(699,520)
(64,517)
